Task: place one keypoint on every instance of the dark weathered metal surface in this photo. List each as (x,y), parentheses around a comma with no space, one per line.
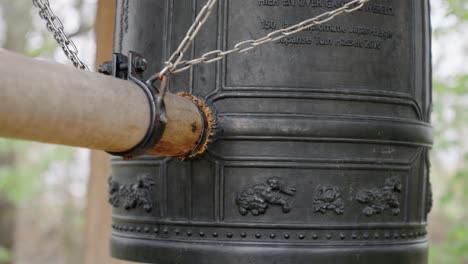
(323,152)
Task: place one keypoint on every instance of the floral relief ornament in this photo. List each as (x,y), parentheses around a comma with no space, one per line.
(326,198)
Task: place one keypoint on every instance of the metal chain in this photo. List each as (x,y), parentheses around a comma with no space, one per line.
(175,64)
(176,58)
(55,26)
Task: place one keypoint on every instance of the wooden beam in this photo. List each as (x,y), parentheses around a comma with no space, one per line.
(98,211)
(52,103)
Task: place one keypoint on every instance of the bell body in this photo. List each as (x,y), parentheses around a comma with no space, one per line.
(322,148)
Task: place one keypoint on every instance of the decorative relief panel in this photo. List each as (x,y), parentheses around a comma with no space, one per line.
(379,199)
(314,194)
(257,198)
(131,196)
(327,198)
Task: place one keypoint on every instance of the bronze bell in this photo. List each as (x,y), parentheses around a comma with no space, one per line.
(322,138)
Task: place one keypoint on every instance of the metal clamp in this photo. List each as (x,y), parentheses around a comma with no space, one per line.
(158,119)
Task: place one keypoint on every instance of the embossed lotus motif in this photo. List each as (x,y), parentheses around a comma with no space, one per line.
(326,198)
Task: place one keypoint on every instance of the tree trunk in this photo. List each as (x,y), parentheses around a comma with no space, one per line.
(18,23)
(7,225)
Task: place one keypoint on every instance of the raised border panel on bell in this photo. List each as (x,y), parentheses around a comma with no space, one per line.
(135,176)
(204,77)
(203,190)
(316,103)
(178,189)
(180,16)
(313,196)
(356,152)
(370,50)
(130,16)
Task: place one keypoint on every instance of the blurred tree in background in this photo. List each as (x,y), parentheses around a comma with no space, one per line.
(41,186)
(449,220)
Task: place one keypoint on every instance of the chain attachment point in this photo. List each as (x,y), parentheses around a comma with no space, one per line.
(175,64)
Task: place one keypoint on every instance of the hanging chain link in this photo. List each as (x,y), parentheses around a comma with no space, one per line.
(176,57)
(55,26)
(175,64)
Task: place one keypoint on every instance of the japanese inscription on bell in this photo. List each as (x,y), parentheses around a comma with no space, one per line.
(375,38)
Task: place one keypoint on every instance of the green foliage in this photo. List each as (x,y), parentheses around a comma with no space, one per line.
(457,189)
(456,86)
(47,48)
(458,8)
(4,255)
(19,175)
(454,250)
(450,121)
(448,96)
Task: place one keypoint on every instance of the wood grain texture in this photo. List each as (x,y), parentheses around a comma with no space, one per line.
(53,103)
(62,105)
(183,129)
(98,211)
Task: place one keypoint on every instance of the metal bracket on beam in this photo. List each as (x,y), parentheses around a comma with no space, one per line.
(131,68)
